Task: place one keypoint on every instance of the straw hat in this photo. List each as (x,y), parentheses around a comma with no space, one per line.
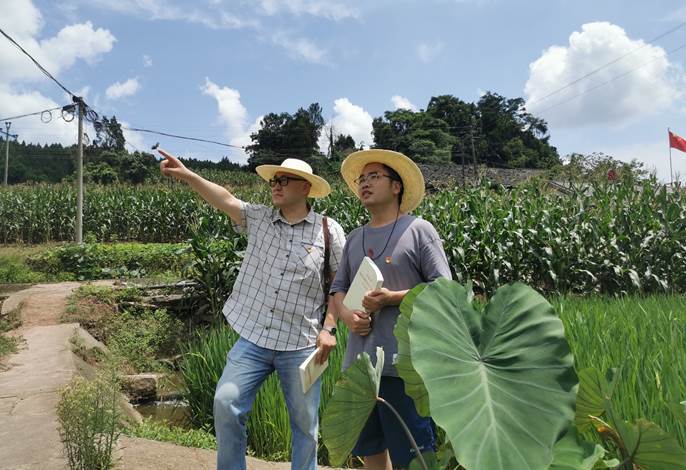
(413,180)
(320,188)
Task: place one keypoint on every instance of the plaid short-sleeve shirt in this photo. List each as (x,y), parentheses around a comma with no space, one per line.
(277,300)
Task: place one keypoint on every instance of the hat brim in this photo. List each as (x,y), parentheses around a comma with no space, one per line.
(320,187)
(413,180)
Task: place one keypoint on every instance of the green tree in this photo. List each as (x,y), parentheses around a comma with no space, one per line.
(511,136)
(497,130)
(287,135)
(419,135)
(109,134)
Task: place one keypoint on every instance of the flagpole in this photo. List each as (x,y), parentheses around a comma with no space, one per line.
(671,173)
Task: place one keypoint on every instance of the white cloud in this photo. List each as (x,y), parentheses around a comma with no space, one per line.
(233,115)
(349,119)
(214,17)
(56,54)
(80,41)
(329,9)
(147,61)
(122,90)
(653,86)
(300,48)
(33,129)
(400,102)
(427,52)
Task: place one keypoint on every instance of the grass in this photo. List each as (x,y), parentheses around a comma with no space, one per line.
(269,433)
(8,345)
(645,338)
(137,338)
(54,262)
(9,322)
(165,432)
(13,267)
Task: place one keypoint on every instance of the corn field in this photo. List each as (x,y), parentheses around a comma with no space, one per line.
(603,238)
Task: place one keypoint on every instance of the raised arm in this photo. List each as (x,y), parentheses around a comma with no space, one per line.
(217,196)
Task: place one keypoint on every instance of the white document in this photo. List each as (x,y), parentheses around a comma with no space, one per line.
(310,370)
(368,278)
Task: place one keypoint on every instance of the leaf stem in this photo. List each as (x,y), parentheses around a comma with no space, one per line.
(407,432)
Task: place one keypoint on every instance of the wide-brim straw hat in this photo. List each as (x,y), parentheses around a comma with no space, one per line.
(413,180)
(320,187)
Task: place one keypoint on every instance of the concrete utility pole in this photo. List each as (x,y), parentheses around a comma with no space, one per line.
(79,197)
(471,136)
(7,150)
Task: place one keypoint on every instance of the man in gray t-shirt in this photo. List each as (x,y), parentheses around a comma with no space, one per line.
(408,251)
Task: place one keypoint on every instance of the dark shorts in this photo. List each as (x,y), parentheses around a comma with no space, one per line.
(383,431)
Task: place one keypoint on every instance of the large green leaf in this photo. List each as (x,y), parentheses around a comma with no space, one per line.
(595,392)
(414,386)
(503,392)
(350,405)
(650,447)
(573,453)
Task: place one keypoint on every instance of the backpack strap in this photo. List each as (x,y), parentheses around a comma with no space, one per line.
(326,275)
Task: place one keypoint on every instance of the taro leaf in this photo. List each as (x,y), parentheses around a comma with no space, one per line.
(650,447)
(430,459)
(573,453)
(352,402)
(414,386)
(504,391)
(595,392)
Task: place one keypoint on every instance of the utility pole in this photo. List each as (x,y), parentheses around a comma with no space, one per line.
(79,197)
(330,156)
(471,135)
(7,150)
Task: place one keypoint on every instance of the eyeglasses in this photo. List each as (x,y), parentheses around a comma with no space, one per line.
(283,180)
(371,178)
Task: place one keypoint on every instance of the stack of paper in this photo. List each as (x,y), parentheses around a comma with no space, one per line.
(368,278)
(310,370)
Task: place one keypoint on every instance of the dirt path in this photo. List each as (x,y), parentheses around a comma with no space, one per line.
(29,394)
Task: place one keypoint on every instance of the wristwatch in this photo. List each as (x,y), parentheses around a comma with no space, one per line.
(331,331)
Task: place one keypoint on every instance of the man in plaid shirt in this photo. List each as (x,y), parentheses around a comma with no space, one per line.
(276,305)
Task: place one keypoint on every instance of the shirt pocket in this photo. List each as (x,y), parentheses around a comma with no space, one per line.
(311,258)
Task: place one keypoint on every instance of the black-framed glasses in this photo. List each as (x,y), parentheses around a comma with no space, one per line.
(371,178)
(283,180)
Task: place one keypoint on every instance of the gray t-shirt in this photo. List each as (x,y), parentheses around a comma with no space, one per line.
(414,255)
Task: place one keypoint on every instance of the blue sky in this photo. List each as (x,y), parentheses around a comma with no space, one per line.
(212,68)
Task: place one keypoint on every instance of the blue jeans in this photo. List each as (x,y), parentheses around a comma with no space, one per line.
(247,366)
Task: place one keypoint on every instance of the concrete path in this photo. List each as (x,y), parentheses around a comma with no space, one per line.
(29,437)
(28,397)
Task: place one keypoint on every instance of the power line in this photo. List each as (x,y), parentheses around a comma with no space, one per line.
(612,62)
(613,79)
(176,136)
(33,114)
(40,67)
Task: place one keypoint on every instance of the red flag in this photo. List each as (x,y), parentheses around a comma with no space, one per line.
(677,142)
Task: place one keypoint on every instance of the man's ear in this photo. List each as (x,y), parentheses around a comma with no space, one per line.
(307,187)
(397,187)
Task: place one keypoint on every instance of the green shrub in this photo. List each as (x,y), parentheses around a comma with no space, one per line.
(101,261)
(8,345)
(138,339)
(216,258)
(88,414)
(108,295)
